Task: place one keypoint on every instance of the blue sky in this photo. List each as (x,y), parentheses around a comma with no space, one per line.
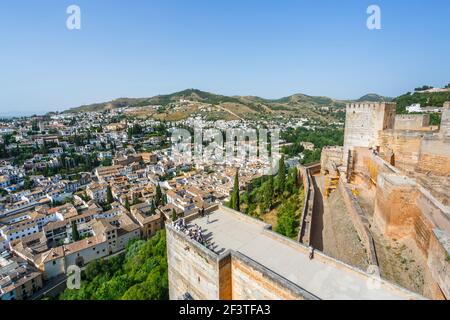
(267,48)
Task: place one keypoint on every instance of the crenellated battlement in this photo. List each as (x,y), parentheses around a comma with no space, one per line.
(410,116)
(369,106)
(333,148)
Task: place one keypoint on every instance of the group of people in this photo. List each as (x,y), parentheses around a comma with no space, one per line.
(195,232)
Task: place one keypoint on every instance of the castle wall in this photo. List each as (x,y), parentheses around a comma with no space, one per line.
(438,261)
(404,145)
(445,121)
(304,233)
(359,220)
(330,156)
(395,209)
(368,165)
(435,156)
(412,122)
(231,276)
(192,268)
(225,278)
(431,208)
(251,281)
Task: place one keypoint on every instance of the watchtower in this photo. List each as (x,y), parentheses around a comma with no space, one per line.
(363,124)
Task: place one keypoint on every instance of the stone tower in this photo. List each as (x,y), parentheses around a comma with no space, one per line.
(445,122)
(363,123)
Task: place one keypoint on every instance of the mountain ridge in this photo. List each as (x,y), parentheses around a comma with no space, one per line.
(197,95)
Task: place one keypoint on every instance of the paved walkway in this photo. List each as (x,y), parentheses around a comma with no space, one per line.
(227,230)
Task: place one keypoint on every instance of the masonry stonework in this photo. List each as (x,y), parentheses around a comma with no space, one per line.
(363,123)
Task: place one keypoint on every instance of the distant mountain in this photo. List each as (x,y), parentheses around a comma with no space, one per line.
(164,100)
(220,106)
(373,97)
(228,107)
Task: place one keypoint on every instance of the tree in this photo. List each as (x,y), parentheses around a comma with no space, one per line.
(127,204)
(235,195)
(158,197)
(141,273)
(152,207)
(27,183)
(267,195)
(75,233)
(174,215)
(288,221)
(281,178)
(109,195)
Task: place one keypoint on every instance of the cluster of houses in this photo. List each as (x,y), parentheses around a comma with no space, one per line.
(52,220)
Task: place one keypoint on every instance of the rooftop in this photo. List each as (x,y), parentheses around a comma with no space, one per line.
(322,276)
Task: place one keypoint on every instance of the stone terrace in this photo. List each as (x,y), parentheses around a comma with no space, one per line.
(323,276)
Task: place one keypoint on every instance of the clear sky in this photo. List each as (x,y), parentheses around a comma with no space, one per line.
(267,48)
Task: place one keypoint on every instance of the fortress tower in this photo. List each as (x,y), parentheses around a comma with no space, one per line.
(445,122)
(363,124)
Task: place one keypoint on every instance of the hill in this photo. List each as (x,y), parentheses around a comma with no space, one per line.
(373,97)
(426,99)
(179,105)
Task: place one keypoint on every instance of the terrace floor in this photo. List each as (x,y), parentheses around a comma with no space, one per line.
(334,280)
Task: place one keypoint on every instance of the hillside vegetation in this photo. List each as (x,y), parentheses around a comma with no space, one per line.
(138,274)
(179,105)
(425,99)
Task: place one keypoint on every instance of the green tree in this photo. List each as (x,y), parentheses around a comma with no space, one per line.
(141,273)
(288,221)
(235,195)
(153,207)
(281,178)
(158,196)
(127,204)
(174,215)
(109,195)
(75,233)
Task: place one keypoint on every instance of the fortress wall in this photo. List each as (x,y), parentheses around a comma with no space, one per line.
(251,281)
(404,145)
(403,208)
(330,156)
(395,210)
(445,122)
(225,278)
(231,276)
(435,156)
(359,220)
(431,208)
(304,232)
(361,161)
(407,209)
(412,122)
(438,261)
(369,166)
(192,268)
